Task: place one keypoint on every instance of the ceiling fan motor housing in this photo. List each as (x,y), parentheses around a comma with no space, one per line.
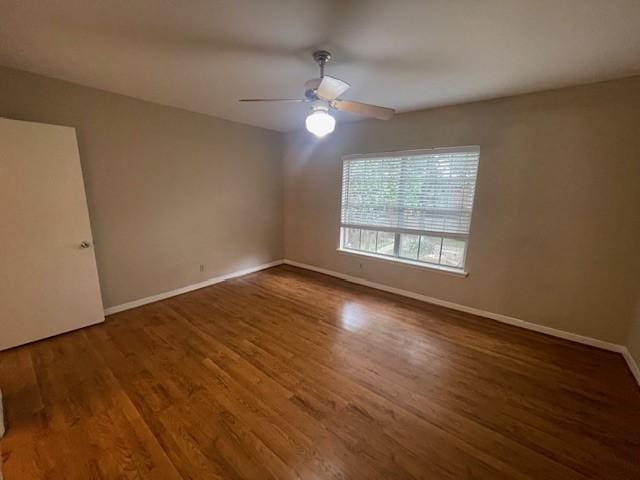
(310,88)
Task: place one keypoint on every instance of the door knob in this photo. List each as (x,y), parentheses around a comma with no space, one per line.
(85,244)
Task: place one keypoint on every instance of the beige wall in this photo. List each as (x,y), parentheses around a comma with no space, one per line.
(555,232)
(168,190)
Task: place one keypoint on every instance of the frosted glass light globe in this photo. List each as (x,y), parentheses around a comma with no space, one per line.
(320,123)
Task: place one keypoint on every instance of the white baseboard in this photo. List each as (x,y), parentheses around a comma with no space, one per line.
(593,342)
(188,288)
(633,366)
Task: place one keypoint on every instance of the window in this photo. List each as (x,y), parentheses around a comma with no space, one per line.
(410,206)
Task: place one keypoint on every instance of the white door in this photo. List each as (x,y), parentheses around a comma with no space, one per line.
(48,276)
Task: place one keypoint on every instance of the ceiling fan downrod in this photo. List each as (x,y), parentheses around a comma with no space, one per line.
(321,57)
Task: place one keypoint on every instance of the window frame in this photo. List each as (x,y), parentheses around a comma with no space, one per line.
(396,258)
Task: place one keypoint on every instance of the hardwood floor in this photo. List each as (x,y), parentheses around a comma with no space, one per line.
(291,374)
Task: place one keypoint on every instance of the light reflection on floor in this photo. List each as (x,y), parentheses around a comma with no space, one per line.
(353,317)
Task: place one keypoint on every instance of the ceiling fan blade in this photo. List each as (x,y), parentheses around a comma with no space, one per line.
(381,113)
(272,100)
(331,88)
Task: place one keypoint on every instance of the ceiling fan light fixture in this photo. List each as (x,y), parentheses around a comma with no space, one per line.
(320,122)
(324,93)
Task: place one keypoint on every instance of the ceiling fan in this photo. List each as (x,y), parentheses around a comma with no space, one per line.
(323,95)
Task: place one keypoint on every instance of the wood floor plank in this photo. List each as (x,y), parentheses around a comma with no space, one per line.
(289,374)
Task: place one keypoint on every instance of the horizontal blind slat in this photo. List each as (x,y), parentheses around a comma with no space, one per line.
(426,191)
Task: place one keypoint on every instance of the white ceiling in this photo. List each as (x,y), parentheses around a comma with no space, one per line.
(204,55)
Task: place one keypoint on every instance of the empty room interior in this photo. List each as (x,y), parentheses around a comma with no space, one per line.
(320,239)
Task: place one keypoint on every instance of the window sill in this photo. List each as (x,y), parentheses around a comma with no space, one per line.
(436,268)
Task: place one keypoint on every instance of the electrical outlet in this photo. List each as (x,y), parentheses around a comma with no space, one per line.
(202,268)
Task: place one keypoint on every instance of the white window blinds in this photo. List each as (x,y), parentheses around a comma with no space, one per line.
(428,191)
